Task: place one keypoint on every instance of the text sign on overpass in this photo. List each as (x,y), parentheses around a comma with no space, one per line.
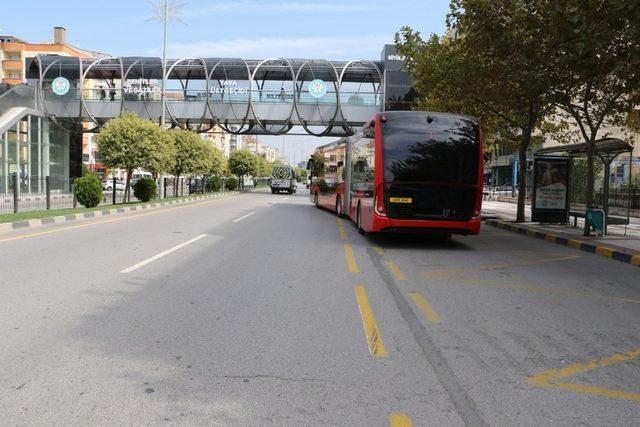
(242,96)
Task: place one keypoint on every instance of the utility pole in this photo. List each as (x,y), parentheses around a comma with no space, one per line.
(163,92)
(164,11)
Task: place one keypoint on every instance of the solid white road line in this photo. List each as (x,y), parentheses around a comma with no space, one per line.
(243,217)
(161,254)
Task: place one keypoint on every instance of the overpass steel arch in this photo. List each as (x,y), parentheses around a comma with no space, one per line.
(329,114)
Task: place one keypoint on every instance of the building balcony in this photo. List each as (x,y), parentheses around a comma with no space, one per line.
(11,81)
(9,64)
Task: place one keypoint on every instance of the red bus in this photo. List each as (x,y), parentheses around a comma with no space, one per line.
(409,171)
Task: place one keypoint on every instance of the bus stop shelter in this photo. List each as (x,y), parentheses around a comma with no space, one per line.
(606,150)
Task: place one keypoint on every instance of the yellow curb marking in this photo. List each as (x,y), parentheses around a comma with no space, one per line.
(550,237)
(574,243)
(549,378)
(395,270)
(425,307)
(351,260)
(374,339)
(635,260)
(378,250)
(399,420)
(604,251)
(531,232)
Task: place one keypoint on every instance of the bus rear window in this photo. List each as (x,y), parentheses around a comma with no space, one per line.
(422,147)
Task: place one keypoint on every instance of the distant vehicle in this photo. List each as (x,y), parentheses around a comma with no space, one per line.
(308,182)
(410,172)
(283,178)
(108,185)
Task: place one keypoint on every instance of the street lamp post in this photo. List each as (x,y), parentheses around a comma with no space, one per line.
(164,11)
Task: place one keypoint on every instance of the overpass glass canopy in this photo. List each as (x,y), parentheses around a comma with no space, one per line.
(242,96)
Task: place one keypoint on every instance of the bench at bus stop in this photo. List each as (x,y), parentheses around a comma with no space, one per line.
(611,220)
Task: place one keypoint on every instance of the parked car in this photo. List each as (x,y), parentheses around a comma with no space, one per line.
(108,185)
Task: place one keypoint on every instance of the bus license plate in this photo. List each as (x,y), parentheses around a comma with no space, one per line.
(400,199)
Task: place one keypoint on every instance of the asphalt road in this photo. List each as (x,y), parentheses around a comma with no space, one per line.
(262,310)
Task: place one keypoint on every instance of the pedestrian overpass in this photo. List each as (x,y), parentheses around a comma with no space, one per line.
(268,96)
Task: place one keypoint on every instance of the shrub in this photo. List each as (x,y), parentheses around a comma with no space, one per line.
(232,183)
(214,183)
(145,189)
(89,191)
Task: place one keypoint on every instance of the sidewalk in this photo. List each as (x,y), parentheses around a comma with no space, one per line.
(615,245)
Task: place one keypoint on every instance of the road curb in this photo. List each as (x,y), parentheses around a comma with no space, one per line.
(35,223)
(630,257)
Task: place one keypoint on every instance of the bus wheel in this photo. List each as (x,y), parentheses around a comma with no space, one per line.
(315,200)
(359,221)
(339,213)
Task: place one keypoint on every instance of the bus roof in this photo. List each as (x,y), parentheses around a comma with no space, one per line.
(422,113)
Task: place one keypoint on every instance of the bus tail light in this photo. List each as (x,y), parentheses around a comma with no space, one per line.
(378,203)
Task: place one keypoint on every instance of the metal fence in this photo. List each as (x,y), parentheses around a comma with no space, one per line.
(58,194)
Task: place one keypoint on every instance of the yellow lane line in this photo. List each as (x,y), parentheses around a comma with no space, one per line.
(378,250)
(351,260)
(565,292)
(343,232)
(395,270)
(549,378)
(374,339)
(119,218)
(425,307)
(447,272)
(399,420)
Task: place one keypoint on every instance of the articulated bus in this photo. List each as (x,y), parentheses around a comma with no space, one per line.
(409,172)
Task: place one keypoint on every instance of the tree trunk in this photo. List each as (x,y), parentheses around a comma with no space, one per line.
(176,182)
(590,180)
(522,173)
(127,187)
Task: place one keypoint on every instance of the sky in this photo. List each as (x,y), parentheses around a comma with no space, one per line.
(328,29)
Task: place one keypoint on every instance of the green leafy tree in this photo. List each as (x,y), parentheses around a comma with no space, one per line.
(264,167)
(218,162)
(243,162)
(301,174)
(129,142)
(499,72)
(193,156)
(597,60)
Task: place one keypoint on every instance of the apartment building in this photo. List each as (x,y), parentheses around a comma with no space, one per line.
(16,53)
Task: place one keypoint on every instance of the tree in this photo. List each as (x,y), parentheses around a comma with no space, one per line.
(129,142)
(243,162)
(301,174)
(218,161)
(598,64)
(193,156)
(499,72)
